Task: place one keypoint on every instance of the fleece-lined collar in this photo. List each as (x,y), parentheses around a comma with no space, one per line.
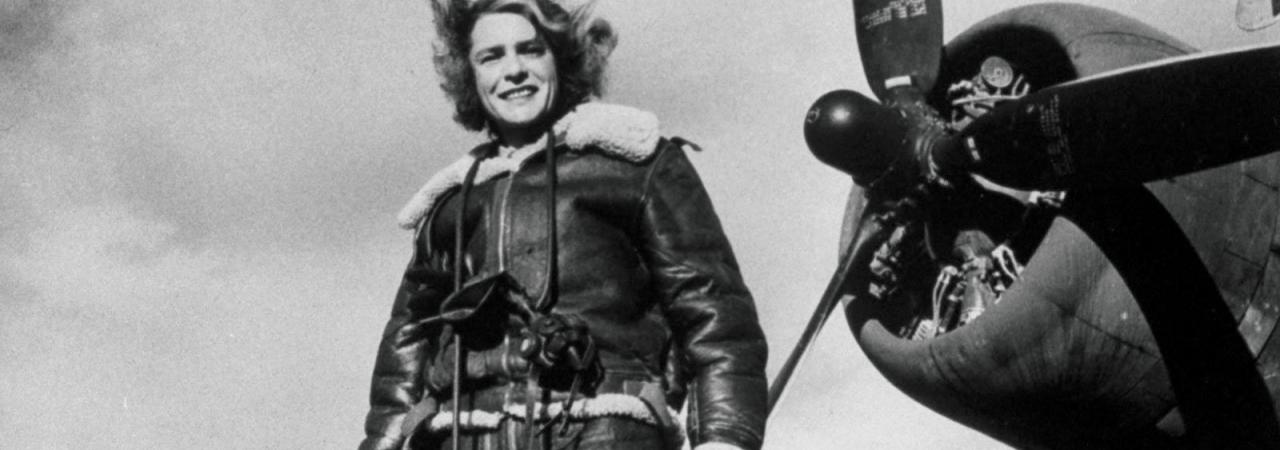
(621,131)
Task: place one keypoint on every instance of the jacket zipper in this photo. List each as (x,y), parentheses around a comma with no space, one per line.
(502,214)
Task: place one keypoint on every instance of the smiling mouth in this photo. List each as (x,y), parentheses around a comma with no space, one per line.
(518,93)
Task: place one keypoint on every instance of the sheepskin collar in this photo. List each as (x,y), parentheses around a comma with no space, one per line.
(617,130)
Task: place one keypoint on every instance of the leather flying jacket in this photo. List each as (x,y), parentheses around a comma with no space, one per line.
(642,260)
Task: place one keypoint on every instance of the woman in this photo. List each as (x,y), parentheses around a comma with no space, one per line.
(595,290)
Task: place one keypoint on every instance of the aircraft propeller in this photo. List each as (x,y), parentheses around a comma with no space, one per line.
(901,48)
(1097,136)
(1135,125)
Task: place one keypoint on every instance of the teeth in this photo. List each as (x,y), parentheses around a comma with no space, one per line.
(517,93)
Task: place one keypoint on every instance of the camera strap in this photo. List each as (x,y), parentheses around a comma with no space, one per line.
(459,355)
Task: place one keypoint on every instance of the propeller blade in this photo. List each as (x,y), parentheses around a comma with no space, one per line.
(900,42)
(1254,15)
(867,234)
(1135,125)
(1221,394)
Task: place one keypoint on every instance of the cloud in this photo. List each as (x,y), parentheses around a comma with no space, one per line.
(106,256)
(178,203)
(197,245)
(103,309)
(28,27)
(160,346)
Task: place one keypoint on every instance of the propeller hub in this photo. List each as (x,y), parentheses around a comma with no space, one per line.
(848,131)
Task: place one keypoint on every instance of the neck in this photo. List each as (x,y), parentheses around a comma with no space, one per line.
(508,146)
(520,137)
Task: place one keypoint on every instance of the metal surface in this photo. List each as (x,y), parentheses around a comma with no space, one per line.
(1071,358)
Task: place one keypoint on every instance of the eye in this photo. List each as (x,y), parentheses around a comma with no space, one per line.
(534,48)
(487,56)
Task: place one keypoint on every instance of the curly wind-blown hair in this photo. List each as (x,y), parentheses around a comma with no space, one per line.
(580,43)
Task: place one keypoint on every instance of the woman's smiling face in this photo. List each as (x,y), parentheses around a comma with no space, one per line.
(515,74)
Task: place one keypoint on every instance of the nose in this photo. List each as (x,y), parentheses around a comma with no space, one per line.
(515,69)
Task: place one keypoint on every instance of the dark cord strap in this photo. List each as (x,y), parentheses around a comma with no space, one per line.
(458,237)
(458,265)
(550,284)
(530,402)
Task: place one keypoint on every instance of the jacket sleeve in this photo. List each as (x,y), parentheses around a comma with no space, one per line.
(397,373)
(711,313)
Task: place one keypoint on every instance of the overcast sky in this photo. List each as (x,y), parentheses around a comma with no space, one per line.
(197,200)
